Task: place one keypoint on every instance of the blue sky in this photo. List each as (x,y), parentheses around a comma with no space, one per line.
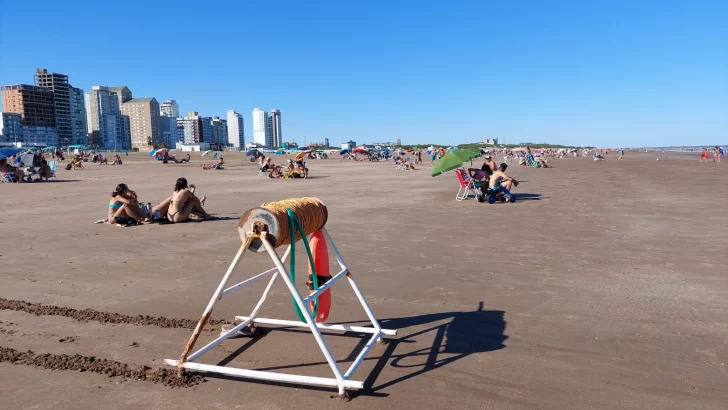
(607,73)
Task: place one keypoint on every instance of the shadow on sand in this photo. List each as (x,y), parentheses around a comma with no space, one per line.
(527,197)
(462,334)
(465,333)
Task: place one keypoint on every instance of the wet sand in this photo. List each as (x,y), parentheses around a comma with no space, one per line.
(604,286)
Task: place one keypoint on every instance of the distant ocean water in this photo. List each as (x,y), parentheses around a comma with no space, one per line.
(689,149)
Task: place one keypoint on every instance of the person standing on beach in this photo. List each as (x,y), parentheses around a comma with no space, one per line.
(716,154)
(704,155)
(621,154)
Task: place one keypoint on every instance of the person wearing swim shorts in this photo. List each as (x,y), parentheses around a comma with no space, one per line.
(500,181)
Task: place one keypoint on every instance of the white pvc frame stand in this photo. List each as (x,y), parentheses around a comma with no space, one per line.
(342,381)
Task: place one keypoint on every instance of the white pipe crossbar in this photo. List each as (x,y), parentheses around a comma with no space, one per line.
(270,376)
(339,381)
(215,342)
(362,355)
(295,323)
(238,286)
(329,283)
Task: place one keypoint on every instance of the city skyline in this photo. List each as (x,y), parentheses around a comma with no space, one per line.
(52,112)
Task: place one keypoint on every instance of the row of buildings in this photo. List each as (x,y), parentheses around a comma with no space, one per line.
(54,113)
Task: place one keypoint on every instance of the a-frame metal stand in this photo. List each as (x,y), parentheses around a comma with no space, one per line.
(342,381)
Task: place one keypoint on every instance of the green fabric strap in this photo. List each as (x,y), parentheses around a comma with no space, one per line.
(294,224)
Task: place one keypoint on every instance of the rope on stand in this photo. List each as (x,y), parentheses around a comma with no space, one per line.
(273,218)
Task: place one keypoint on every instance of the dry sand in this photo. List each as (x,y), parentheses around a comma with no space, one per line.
(605,287)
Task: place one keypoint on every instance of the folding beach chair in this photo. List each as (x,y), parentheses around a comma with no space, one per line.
(8,178)
(52,165)
(467,185)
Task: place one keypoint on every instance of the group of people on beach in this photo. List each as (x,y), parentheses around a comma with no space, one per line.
(717,154)
(493,176)
(292,169)
(16,171)
(126,209)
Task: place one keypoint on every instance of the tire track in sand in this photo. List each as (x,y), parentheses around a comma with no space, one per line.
(112,369)
(92,315)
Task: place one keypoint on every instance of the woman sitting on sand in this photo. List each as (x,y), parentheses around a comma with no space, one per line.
(182,204)
(269,166)
(44,171)
(117,160)
(123,205)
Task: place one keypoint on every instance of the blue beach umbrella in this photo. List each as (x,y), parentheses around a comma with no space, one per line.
(8,152)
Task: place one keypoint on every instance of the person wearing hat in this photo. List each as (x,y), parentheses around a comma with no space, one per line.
(490,163)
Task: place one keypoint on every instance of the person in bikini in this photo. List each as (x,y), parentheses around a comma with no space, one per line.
(489,161)
(122,205)
(182,204)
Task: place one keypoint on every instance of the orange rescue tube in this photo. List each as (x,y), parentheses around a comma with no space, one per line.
(320,252)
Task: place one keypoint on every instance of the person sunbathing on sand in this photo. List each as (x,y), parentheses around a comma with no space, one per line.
(182,204)
(220,165)
(123,205)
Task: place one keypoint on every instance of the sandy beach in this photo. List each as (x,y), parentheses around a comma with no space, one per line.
(604,286)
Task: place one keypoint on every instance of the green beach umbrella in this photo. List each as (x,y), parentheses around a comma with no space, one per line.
(467,154)
(449,162)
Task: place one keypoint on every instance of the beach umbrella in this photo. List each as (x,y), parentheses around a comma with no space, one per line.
(415,148)
(8,152)
(279,152)
(206,153)
(160,152)
(452,149)
(360,150)
(301,155)
(253,153)
(344,151)
(449,162)
(467,154)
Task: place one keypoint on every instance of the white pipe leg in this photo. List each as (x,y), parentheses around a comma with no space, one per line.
(312,325)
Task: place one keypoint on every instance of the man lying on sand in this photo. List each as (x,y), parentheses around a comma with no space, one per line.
(219,165)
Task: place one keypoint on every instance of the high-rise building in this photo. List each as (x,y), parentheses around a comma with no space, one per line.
(11,128)
(180,132)
(275,125)
(206,129)
(219,133)
(169,108)
(143,121)
(123,93)
(107,127)
(58,83)
(78,117)
(192,127)
(236,130)
(168,128)
(36,107)
(262,134)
